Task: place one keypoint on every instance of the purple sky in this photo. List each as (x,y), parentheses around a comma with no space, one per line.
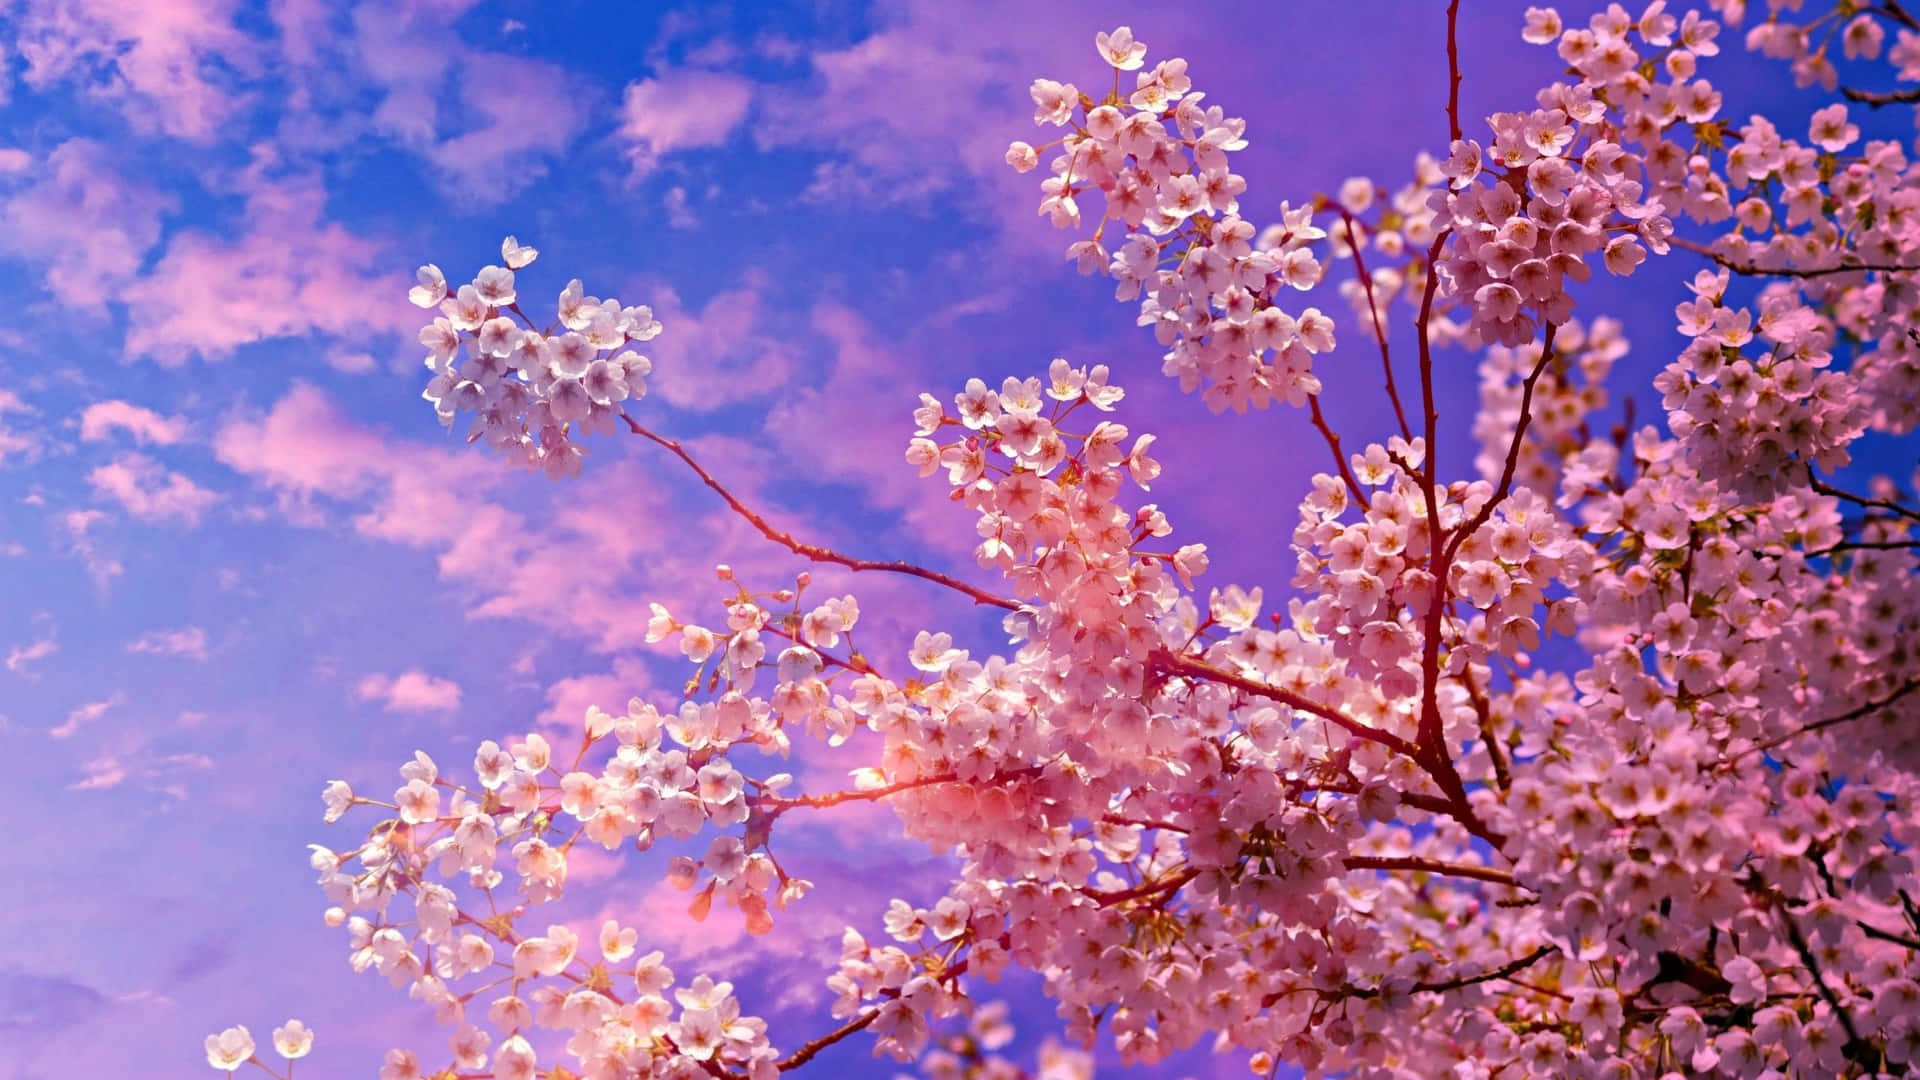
(240,557)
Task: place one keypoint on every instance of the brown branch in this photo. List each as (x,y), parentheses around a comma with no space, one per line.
(1179,664)
(1756,270)
(1800,946)
(1880,99)
(1504,971)
(1505,487)
(1892,10)
(809,1050)
(811,551)
(1333,443)
(1379,329)
(1165,887)
(1822,487)
(779,804)
(1430,738)
(1483,712)
(1852,714)
(1453,71)
(1462,870)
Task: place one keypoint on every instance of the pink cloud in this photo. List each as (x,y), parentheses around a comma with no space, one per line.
(925,104)
(525,112)
(728,351)
(680,110)
(290,273)
(303,447)
(568,699)
(584,563)
(149,491)
(78,525)
(103,772)
(568,573)
(87,222)
(16,447)
(868,380)
(488,122)
(157,53)
(410,691)
(189,642)
(22,655)
(102,418)
(129,757)
(86,714)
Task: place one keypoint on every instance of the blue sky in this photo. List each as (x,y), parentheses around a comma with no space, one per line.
(239,556)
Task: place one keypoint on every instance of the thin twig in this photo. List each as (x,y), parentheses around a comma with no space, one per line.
(1879,99)
(812,551)
(1453,69)
(1756,270)
(1379,329)
(1852,714)
(1462,870)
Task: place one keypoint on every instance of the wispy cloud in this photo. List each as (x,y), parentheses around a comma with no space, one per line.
(188,641)
(22,655)
(86,714)
(147,427)
(410,691)
(149,491)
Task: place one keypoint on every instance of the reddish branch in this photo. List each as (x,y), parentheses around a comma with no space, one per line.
(1453,71)
(781,804)
(1379,329)
(1505,486)
(1430,866)
(1756,270)
(811,551)
(1877,99)
(1432,751)
(1333,443)
(807,1051)
(1177,664)
(1850,715)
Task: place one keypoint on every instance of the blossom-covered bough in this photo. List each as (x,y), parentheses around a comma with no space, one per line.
(1365,834)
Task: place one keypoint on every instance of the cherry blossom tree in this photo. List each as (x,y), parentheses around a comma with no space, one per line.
(1362,831)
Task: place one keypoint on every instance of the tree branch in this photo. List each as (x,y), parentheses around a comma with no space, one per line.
(811,551)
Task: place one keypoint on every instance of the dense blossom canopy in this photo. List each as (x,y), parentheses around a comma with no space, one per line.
(1360,830)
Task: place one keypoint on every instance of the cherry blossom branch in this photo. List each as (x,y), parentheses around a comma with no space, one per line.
(1453,73)
(1852,714)
(1379,330)
(782,804)
(1512,465)
(1333,442)
(1482,712)
(1800,946)
(1879,99)
(1756,270)
(1892,9)
(1164,887)
(1408,862)
(1504,971)
(1430,736)
(1823,488)
(809,1050)
(812,551)
(1172,663)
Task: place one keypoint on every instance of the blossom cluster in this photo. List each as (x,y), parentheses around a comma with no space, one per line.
(534,392)
(1211,287)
